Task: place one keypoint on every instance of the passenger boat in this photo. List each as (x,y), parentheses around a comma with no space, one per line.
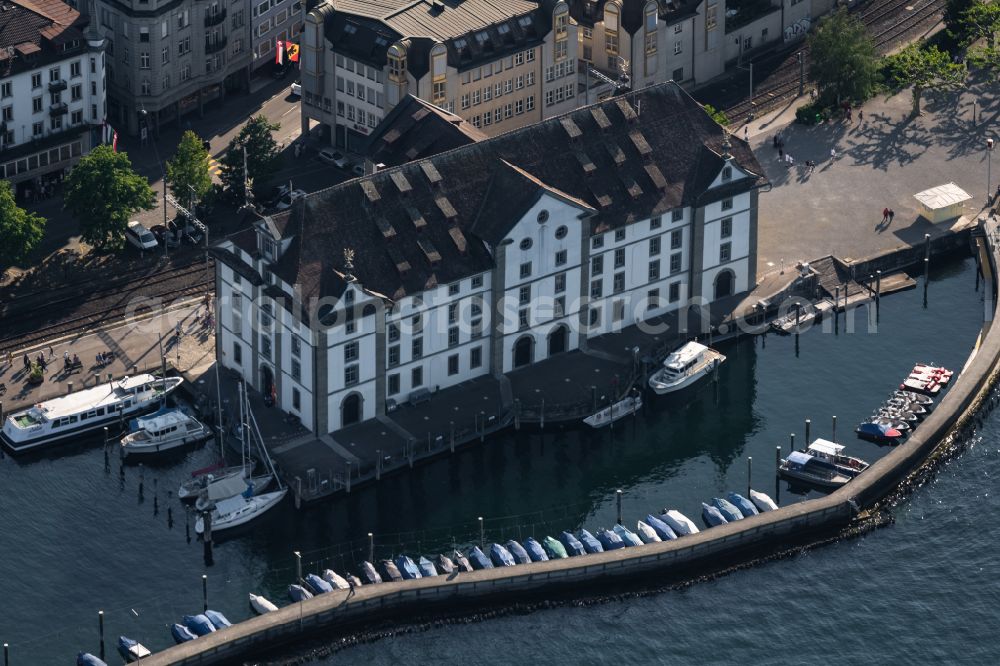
(712,516)
(762,501)
(745,506)
(407,568)
(461,562)
(87,659)
(554,548)
(317,585)
(808,469)
(630,404)
(391,571)
(501,556)
(298,593)
(181,633)
(535,550)
(647,533)
(218,620)
(198,624)
(678,522)
(240,510)
(368,574)
(162,431)
(590,543)
(131,649)
(729,512)
(261,605)
(609,540)
(684,367)
(834,454)
(518,552)
(478,559)
(58,419)
(445,564)
(573,545)
(628,536)
(875,431)
(664,531)
(927,386)
(426,567)
(335,579)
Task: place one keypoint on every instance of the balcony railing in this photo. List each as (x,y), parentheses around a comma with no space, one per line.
(215,19)
(58,109)
(214,45)
(57,86)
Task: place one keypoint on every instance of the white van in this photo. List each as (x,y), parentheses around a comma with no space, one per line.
(140,236)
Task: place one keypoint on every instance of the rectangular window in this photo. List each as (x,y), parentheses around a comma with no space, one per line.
(652,299)
(526,270)
(524,295)
(466,103)
(529,103)
(727,204)
(595,316)
(453,365)
(393,356)
(416,377)
(476,357)
(596,288)
(619,235)
(351,375)
(296,399)
(677,215)
(654,270)
(523,318)
(727,227)
(417,348)
(265,346)
(36,80)
(597,241)
(597,265)
(237,353)
(676,239)
(519,107)
(654,246)
(453,336)
(560,280)
(678,74)
(725,252)
(296,370)
(560,257)
(619,257)
(393,388)
(350,352)
(675,292)
(619,283)
(618,310)
(74,69)
(675,263)
(655,223)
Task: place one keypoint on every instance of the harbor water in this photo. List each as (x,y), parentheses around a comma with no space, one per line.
(77,536)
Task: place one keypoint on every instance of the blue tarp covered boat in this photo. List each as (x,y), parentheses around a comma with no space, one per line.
(181,633)
(501,556)
(628,536)
(445,564)
(609,540)
(590,544)
(368,574)
(218,620)
(728,511)
(712,516)
(407,568)
(479,559)
(131,650)
(535,550)
(554,548)
(317,585)
(517,550)
(426,567)
(198,624)
(661,528)
(878,432)
(390,571)
(298,593)
(573,545)
(745,506)
(87,659)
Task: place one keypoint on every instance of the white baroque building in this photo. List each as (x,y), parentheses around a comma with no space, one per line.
(488,257)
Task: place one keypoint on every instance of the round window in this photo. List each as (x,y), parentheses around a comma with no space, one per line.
(543,216)
(526,244)
(561,232)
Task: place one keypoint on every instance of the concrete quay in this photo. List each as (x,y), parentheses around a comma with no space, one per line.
(705,551)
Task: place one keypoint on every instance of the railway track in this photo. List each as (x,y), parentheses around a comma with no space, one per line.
(32,322)
(886,27)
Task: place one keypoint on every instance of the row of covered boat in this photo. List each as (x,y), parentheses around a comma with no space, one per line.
(194,626)
(898,416)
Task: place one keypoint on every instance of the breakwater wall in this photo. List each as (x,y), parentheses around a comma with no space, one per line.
(766,533)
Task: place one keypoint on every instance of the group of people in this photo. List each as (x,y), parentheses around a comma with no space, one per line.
(887,215)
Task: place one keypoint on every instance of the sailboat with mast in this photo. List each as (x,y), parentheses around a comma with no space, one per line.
(242,508)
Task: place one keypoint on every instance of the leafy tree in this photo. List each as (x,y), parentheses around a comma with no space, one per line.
(189,169)
(718,116)
(262,157)
(20,230)
(954,19)
(842,59)
(981,20)
(103,192)
(985,57)
(925,69)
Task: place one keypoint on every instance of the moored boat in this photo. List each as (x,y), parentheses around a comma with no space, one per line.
(684,367)
(239,510)
(501,556)
(335,579)
(478,559)
(554,548)
(630,404)
(317,585)
(535,550)
(391,572)
(56,420)
(407,568)
(87,659)
(218,620)
(462,563)
(298,593)
(518,552)
(647,533)
(590,543)
(875,431)
(729,512)
(762,501)
(261,605)
(905,405)
(745,506)
(445,564)
(664,531)
(712,516)
(927,386)
(609,540)
(808,469)
(162,431)
(911,396)
(573,545)
(834,454)
(198,624)
(200,479)
(181,633)
(628,536)
(231,486)
(678,522)
(426,567)
(368,573)
(131,649)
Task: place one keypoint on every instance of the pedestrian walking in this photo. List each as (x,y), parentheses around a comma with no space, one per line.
(66,356)
(781,154)
(350,593)
(10,359)
(885,214)
(27,362)
(178,330)
(892,214)
(833,153)
(774,141)
(861,116)
(51,352)
(791,161)
(746,134)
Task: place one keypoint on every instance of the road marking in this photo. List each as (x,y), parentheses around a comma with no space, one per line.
(214,168)
(289,111)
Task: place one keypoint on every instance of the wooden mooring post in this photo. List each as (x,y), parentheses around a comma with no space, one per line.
(371,548)
(482,534)
(298,566)
(749,474)
(204,592)
(834,429)
(808,428)
(618,496)
(777,479)
(207,535)
(100,631)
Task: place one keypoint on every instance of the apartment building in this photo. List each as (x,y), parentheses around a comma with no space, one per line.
(172,58)
(274,21)
(52,91)
(488,257)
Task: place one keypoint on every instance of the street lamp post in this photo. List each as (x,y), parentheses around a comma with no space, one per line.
(989,176)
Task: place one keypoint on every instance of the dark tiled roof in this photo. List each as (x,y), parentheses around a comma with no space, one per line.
(587,13)
(363,39)
(416,129)
(37,29)
(488,182)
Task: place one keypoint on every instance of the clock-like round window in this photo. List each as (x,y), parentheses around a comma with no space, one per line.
(526,244)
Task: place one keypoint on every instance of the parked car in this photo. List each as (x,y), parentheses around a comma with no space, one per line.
(166,234)
(288,199)
(296,89)
(140,236)
(334,157)
(192,236)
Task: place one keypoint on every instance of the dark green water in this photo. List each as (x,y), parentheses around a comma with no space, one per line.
(75,539)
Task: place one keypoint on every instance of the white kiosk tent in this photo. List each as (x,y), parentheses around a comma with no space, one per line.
(944,202)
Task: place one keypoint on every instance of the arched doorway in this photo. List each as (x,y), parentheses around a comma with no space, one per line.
(724,284)
(557,339)
(524,351)
(350,409)
(267,388)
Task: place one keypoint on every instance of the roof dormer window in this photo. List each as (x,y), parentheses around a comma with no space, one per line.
(727,173)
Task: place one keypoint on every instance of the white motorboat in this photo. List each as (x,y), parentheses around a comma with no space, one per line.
(814,471)
(834,454)
(190,489)
(762,501)
(261,605)
(678,522)
(684,367)
(647,533)
(162,431)
(235,511)
(627,405)
(70,415)
(335,579)
(231,486)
